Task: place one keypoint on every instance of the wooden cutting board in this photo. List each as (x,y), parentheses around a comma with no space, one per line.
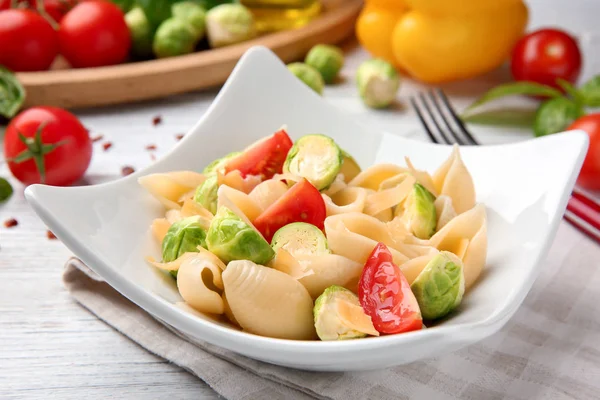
(90,87)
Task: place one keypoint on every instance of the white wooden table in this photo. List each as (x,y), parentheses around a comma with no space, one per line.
(50,347)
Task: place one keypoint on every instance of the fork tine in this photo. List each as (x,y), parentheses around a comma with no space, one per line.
(457,138)
(457,119)
(445,137)
(422,119)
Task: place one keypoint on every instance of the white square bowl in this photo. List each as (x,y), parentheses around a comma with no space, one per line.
(525,187)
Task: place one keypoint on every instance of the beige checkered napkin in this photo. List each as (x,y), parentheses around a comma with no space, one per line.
(549,350)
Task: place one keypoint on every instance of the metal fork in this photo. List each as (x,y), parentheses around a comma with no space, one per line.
(443,125)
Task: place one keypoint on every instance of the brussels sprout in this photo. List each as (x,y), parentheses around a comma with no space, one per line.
(330,324)
(316,158)
(350,167)
(174,37)
(326,59)
(228,24)
(420,214)
(377,82)
(206,194)
(300,238)
(140,32)
(219,163)
(193,14)
(439,288)
(230,238)
(182,237)
(307,74)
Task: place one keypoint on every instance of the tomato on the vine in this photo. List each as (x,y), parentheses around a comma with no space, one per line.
(589,177)
(27,41)
(47,145)
(56,9)
(546,55)
(385,294)
(94,34)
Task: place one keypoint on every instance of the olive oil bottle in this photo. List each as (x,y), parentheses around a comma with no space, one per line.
(278,15)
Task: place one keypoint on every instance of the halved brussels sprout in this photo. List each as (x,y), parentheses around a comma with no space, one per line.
(419,213)
(300,238)
(230,238)
(316,158)
(326,59)
(206,194)
(228,24)
(333,322)
(350,167)
(182,237)
(219,164)
(439,288)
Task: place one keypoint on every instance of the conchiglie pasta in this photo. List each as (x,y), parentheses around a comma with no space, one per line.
(159,228)
(243,201)
(413,267)
(169,188)
(444,210)
(454,180)
(388,198)
(268,192)
(337,185)
(422,177)
(200,284)
(268,302)
(347,200)
(466,236)
(372,177)
(235,180)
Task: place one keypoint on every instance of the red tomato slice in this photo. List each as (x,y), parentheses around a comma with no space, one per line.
(302,203)
(264,158)
(385,294)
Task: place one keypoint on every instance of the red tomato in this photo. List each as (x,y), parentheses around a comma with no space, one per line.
(544,56)
(302,203)
(385,294)
(64,156)
(264,158)
(94,34)
(589,177)
(27,41)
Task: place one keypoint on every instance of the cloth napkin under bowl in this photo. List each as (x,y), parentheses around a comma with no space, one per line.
(549,350)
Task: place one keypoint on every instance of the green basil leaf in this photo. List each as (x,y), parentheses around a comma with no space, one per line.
(12,93)
(509,117)
(124,5)
(5,190)
(156,10)
(513,89)
(208,4)
(590,92)
(555,115)
(570,90)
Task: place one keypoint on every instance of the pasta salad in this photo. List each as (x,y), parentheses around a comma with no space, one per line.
(294,241)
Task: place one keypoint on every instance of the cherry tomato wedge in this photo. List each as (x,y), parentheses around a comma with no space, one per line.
(302,203)
(589,177)
(385,294)
(264,158)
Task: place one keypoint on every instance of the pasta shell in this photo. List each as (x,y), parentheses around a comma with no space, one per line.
(159,228)
(327,270)
(454,180)
(268,192)
(173,215)
(422,177)
(286,263)
(388,198)
(413,267)
(235,180)
(199,282)
(337,185)
(268,302)
(466,236)
(347,200)
(169,188)
(444,210)
(243,201)
(372,177)
(191,208)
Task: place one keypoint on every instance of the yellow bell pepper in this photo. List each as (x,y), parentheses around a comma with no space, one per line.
(439,41)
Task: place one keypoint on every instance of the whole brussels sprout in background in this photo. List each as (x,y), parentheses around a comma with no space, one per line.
(174,37)
(328,324)
(228,24)
(377,82)
(193,14)
(439,288)
(206,194)
(182,237)
(140,32)
(307,74)
(326,59)
(231,238)
(420,214)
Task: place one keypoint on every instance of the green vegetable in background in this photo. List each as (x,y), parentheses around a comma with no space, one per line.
(206,194)
(307,74)
(6,190)
(377,82)
(326,59)
(140,31)
(590,92)
(231,238)
(124,5)
(208,4)
(193,14)
(555,115)
(513,89)
(174,37)
(12,93)
(229,24)
(156,11)
(439,288)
